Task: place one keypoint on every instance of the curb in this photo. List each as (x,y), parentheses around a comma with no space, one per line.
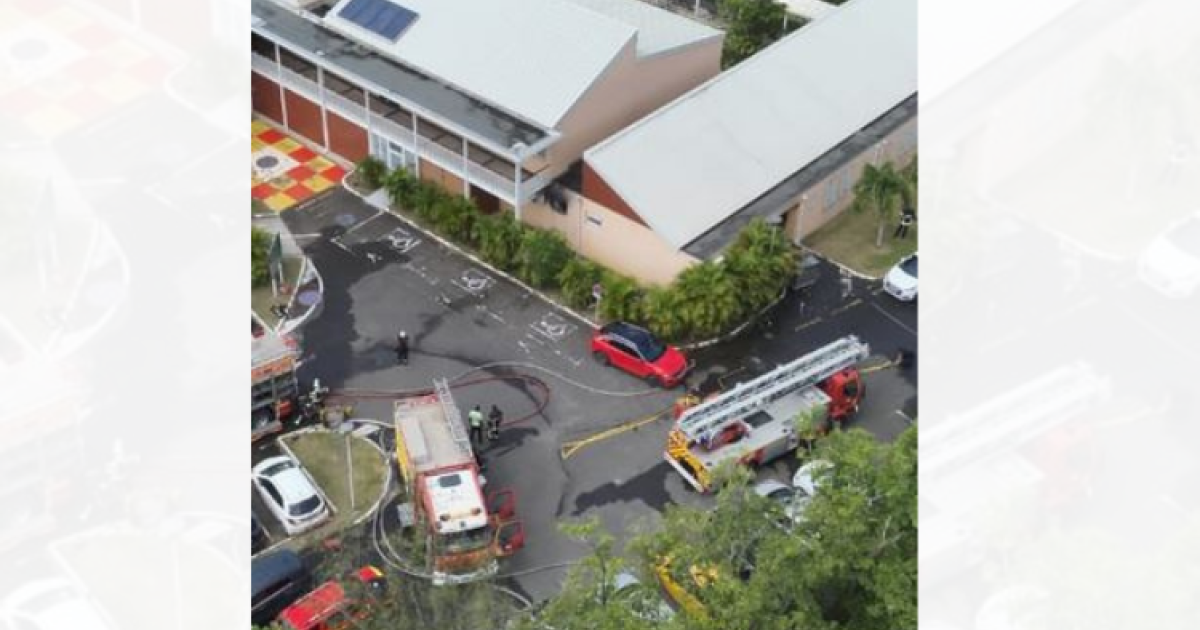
(290,325)
(843,268)
(699,345)
(459,250)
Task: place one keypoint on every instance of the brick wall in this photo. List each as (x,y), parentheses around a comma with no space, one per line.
(346,138)
(265,97)
(304,117)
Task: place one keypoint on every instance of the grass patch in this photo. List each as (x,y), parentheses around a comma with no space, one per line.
(324,457)
(850,240)
(261,298)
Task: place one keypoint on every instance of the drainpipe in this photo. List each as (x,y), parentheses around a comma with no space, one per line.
(416,146)
(466,170)
(324,106)
(279,84)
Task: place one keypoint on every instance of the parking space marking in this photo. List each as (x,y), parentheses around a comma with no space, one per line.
(552,326)
(401,240)
(895,321)
(812,322)
(473,281)
(354,226)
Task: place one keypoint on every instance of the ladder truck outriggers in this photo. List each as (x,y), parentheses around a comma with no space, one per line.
(755,422)
(465,530)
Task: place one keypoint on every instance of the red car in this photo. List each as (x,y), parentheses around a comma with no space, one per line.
(638,352)
(330,607)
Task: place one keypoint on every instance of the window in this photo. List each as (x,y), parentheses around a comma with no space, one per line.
(307,506)
(621,345)
(272,492)
(262,46)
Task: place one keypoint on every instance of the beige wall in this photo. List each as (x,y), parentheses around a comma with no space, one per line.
(628,91)
(612,240)
(829,197)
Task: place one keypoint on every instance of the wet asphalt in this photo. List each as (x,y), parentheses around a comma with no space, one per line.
(465,323)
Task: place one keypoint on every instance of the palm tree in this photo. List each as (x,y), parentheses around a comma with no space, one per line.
(708,297)
(881,190)
(761,260)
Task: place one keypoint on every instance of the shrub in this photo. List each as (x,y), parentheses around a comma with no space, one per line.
(401,186)
(622,299)
(577,279)
(456,217)
(760,263)
(543,255)
(663,312)
(371,172)
(260,250)
(708,299)
(499,239)
(425,200)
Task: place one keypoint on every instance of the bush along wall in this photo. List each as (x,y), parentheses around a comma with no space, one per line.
(706,300)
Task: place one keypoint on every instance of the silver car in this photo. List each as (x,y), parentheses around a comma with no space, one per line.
(290,494)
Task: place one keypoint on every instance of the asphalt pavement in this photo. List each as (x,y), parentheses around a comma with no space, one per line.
(469,325)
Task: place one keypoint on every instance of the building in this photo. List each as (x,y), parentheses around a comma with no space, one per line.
(490,98)
(783,136)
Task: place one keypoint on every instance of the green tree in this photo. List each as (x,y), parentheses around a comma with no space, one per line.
(260,250)
(455,217)
(542,256)
(371,172)
(590,598)
(881,190)
(708,298)
(760,261)
(499,239)
(577,279)
(752,26)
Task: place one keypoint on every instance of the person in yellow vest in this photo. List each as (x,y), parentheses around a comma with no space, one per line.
(475,419)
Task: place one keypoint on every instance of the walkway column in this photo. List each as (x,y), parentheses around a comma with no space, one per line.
(279,84)
(466,172)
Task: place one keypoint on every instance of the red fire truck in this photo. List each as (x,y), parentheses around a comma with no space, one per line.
(465,530)
(274,391)
(755,422)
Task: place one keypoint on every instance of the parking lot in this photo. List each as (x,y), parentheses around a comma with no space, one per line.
(468,324)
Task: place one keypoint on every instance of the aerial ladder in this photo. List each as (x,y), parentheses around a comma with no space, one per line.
(755,421)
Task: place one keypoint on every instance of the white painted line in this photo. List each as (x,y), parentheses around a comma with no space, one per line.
(893,318)
(905,416)
(495,316)
(365,221)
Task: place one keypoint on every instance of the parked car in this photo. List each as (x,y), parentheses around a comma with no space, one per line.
(792,502)
(290,494)
(52,604)
(276,580)
(811,476)
(1171,265)
(333,606)
(637,351)
(901,281)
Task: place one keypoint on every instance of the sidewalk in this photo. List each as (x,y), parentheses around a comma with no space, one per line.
(285,172)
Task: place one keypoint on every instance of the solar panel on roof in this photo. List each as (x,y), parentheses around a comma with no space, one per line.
(386,19)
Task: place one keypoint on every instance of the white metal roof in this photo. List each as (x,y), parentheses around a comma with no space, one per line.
(696,161)
(534,58)
(658,30)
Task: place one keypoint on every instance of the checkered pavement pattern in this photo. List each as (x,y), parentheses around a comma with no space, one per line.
(313,175)
(63,68)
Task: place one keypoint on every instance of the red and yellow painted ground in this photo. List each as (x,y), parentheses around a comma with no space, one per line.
(65,67)
(307,172)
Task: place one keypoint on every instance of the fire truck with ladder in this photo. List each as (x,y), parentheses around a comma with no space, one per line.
(273,387)
(465,530)
(755,422)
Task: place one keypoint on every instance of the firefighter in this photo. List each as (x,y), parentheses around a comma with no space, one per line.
(495,417)
(475,419)
(402,348)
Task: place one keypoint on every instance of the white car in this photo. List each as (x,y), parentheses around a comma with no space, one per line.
(809,477)
(290,494)
(1172,262)
(792,502)
(52,604)
(901,281)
